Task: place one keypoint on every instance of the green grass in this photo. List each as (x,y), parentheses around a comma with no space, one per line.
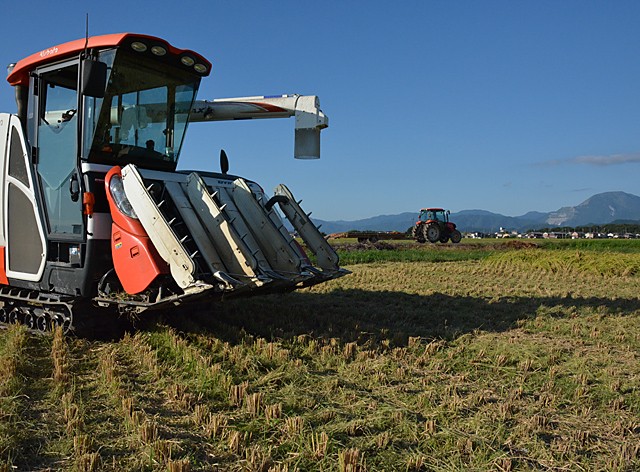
(612,245)
(472,249)
(521,358)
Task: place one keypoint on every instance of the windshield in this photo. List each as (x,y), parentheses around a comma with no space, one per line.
(430,215)
(143,117)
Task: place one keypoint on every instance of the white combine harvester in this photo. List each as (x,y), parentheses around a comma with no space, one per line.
(94,212)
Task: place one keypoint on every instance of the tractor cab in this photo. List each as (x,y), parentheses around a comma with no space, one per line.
(433,214)
(121,98)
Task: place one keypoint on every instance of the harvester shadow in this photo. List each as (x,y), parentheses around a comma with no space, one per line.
(379,318)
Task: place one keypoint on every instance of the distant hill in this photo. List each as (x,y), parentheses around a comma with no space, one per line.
(599,209)
(399,222)
(602,208)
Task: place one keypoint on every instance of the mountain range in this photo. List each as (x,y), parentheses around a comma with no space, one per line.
(602,208)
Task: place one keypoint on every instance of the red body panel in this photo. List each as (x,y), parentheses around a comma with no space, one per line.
(20,73)
(3,269)
(135,259)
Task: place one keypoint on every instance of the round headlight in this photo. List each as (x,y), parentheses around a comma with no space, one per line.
(158,50)
(137,46)
(201,68)
(187,61)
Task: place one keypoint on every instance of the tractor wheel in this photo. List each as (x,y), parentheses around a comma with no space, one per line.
(456,236)
(432,233)
(416,233)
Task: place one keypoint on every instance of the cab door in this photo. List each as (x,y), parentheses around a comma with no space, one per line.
(22,234)
(57,152)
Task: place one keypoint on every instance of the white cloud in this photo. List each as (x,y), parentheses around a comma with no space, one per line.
(603,160)
(609,160)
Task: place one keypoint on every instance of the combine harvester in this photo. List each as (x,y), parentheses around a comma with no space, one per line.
(96,220)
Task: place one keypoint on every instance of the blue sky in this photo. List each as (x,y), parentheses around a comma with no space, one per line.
(506,106)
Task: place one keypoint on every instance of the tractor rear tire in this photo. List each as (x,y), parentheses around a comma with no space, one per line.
(432,233)
(456,236)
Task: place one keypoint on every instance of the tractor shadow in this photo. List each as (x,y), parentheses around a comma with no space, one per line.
(377,318)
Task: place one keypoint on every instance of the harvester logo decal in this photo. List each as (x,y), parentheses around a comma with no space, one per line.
(49,52)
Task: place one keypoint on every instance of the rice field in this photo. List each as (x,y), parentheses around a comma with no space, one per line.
(501,357)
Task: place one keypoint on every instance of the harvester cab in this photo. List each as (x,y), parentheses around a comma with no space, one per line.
(433,225)
(93,211)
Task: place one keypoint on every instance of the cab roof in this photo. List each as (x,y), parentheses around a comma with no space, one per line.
(20,73)
(432,209)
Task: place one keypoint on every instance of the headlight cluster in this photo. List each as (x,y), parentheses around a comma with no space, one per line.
(159,50)
(120,198)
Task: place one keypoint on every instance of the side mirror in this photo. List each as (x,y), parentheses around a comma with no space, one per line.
(94,78)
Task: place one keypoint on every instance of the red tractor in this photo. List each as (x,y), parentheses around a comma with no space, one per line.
(433,225)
